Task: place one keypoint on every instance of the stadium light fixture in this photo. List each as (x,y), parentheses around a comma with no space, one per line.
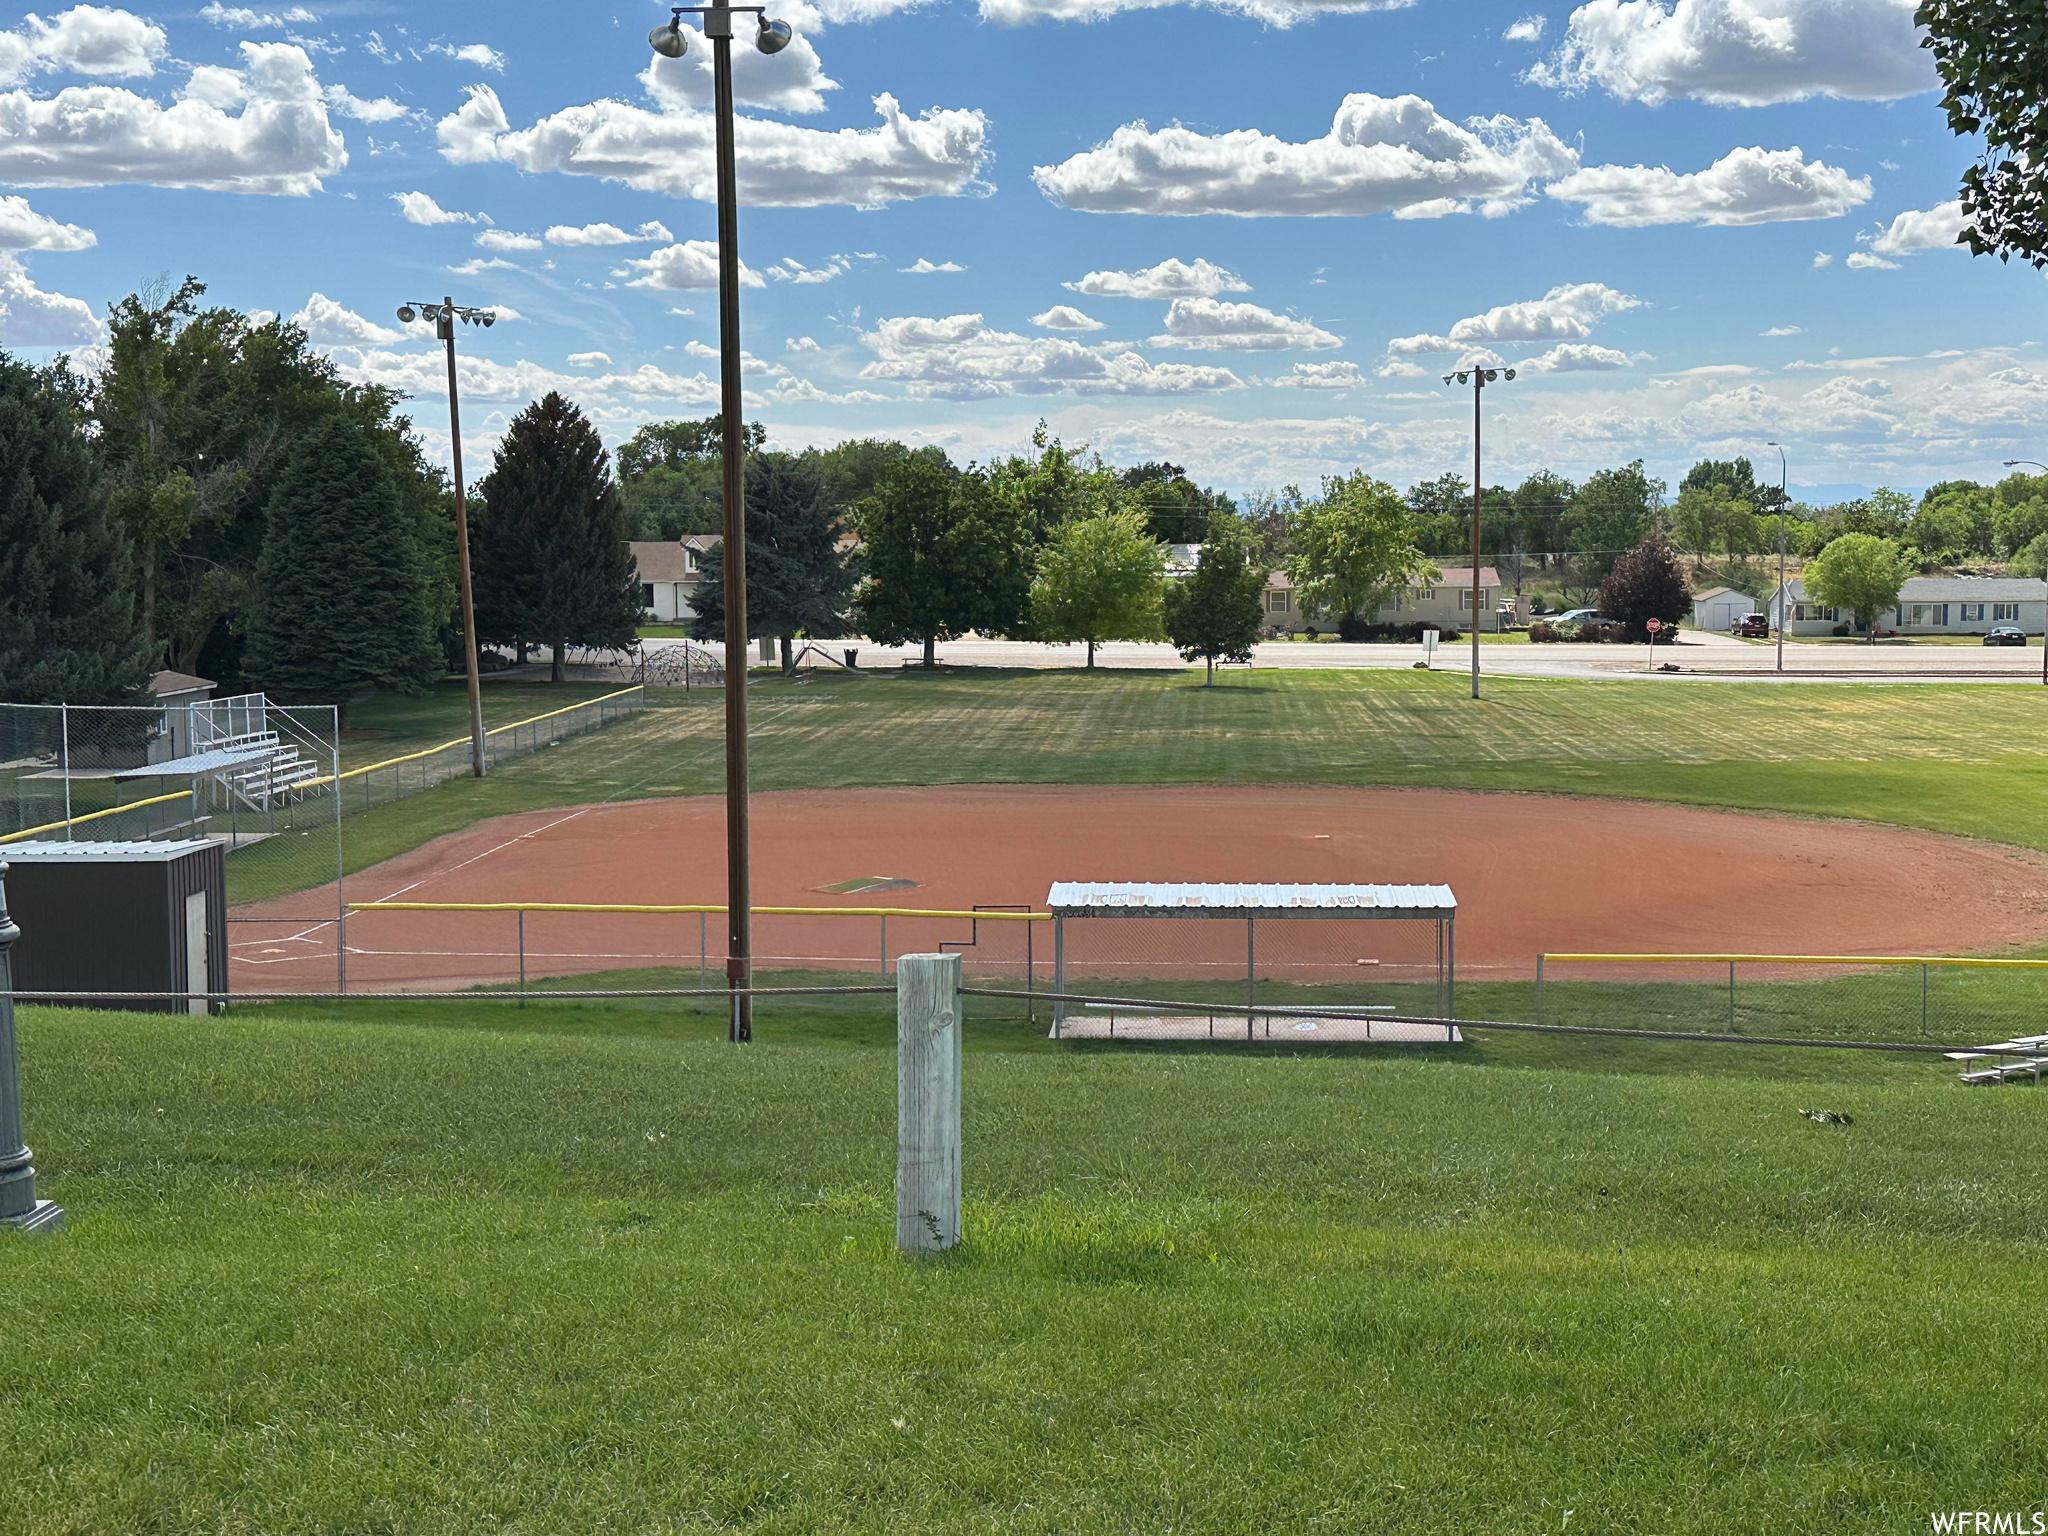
(443,317)
(670,42)
(1478,378)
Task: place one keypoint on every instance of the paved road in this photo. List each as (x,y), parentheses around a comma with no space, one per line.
(1695,654)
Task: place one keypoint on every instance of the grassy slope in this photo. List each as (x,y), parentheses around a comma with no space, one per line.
(1956,759)
(582,1269)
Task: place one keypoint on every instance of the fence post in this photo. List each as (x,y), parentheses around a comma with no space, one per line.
(19,1206)
(1059,974)
(927,1103)
(1251,976)
(1731,997)
(64,746)
(885,946)
(522,957)
(1923,997)
(1539,989)
(702,919)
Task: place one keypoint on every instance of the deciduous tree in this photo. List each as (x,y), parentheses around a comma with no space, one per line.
(1859,572)
(1993,59)
(1215,612)
(1354,546)
(1099,578)
(943,553)
(1645,584)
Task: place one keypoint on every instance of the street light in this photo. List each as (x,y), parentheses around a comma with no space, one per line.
(670,43)
(1784,600)
(444,315)
(1479,378)
(2036,464)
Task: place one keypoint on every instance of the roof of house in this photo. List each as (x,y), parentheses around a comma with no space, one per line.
(1147,899)
(167,682)
(666,559)
(1449,576)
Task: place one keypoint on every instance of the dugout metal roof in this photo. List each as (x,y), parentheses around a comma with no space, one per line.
(1070,898)
(100,853)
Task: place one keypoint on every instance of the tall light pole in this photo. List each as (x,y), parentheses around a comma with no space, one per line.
(444,315)
(2035,464)
(669,42)
(1784,598)
(1479,378)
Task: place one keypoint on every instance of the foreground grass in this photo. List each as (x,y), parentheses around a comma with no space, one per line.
(396,1269)
(1957,759)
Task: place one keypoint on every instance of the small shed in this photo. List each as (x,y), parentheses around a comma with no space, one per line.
(105,918)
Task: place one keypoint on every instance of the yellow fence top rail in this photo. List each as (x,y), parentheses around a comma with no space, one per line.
(463,741)
(583,906)
(79,821)
(1796,960)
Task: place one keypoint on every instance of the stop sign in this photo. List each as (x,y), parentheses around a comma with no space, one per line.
(1654,625)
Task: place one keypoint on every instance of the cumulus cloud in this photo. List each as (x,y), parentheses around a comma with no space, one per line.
(85,40)
(30,317)
(1399,368)
(1784,330)
(800,344)
(1171,279)
(419,208)
(606,234)
(1823,259)
(1064,317)
(1574,357)
(924,266)
(1221,325)
(376,109)
(960,358)
(1274,13)
(476,266)
(1567,312)
(23,229)
(791,390)
(1323,376)
(793,80)
(692,264)
(1926,229)
(1744,186)
(1743,53)
(329,323)
(483,55)
(1861,261)
(590,360)
(1527,30)
(241,17)
(1382,154)
(507,240)
(936,154)
(280,143)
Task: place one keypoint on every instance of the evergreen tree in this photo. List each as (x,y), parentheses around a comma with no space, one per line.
(1099,578)
(69,630)
(944,553)
(343,588)
(1216,611)
(551,562)
(798,582)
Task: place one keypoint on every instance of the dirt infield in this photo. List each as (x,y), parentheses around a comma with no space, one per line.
(1531,874)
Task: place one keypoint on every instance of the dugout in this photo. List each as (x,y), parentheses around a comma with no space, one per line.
(1361,949)
(123,917)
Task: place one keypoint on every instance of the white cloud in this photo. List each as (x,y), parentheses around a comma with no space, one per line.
(1171,279)
(23,229)
(1865,260)
(793,80)
(1396,368)
(589,360)
(1746,53)
(506,240)
(1784,330)
(30,317)
(85,40)
(606,234)
(504,312)
(693,264)
(483,55)
(281,143)
(1382,155)
(801,344)
(242,17)
(790,270)
(328,323)
(794,391)
(1567,312)
(937,154)
(419,208)
(1323,376)
(1927,229)
(1823,259)
(1221,325)
(476,266)
(1745,186)
(1574,357)
(376,109)
(1527,30)
(1274,13)
(960,358)
(924,265)
(1064,317)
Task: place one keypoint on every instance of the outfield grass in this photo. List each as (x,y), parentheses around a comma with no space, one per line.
(452,1268)
(1960,759)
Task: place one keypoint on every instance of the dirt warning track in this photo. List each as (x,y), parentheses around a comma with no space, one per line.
(1531,873)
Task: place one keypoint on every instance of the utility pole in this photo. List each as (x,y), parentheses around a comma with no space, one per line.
(444,315)
(771,37)
(1784,597)
(1479,378)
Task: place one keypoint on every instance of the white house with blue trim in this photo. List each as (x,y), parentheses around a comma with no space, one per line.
(1929,605)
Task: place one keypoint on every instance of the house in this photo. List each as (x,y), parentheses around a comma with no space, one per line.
(668,573)
(1932,605)
(1721,608)
(1445,602)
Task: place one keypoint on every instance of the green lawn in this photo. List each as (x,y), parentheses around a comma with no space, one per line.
(453,1268)
(1962,758)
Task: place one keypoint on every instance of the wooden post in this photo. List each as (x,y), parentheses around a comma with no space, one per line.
(927,1103)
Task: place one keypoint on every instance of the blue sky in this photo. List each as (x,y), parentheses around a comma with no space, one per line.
(1247,237)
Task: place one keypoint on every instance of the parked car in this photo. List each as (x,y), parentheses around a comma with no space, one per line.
(1753,626)
(1572,617)
(2006,634)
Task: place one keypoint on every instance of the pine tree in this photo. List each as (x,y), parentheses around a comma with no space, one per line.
(69,630)
(1215,612)
(343,603)
(552,564)
(798,581)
